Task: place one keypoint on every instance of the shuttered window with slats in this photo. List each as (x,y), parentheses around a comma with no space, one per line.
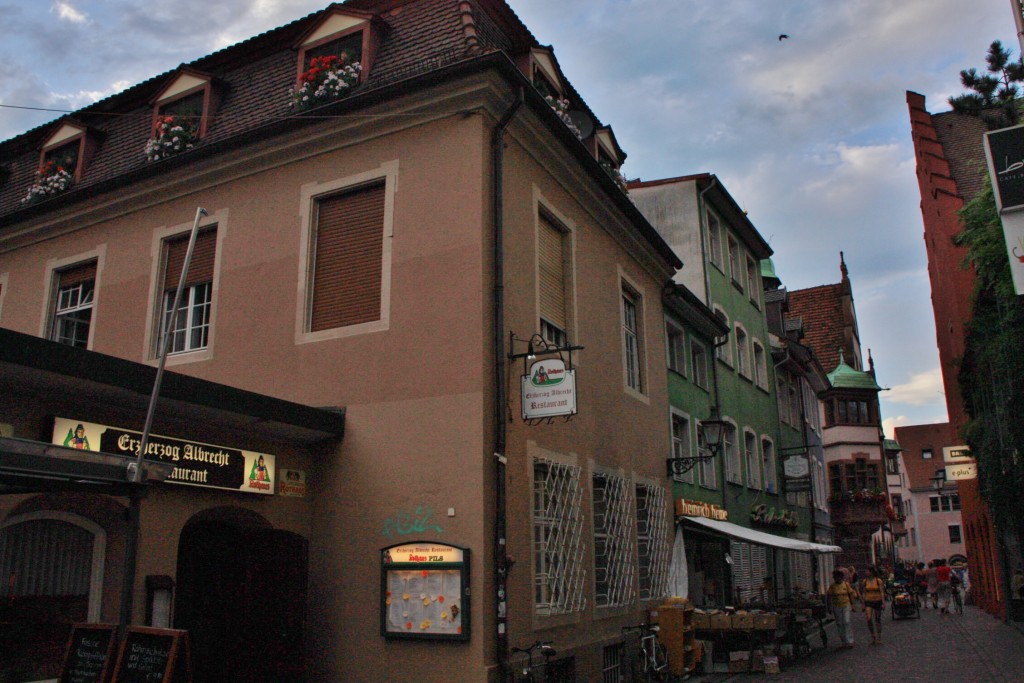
(348,256)
(551,267)
(190,329)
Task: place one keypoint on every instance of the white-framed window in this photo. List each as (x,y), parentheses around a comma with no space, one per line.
(189,326)
(706,473)
(190,329)
(558,573)
(614,521)
(760,365)
(731,454)
(72,312)
(724,350)
(742,351)
(753,290)
(735,269)
(652,540)
(682,442)
(769,465)
(753,459)
(782,394)
(675,346)
(554,278)
(714,239)
(699,363)
(632,337)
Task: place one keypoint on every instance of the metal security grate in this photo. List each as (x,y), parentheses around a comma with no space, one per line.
(613,540)
(651,541)
(557,538)
(612,670)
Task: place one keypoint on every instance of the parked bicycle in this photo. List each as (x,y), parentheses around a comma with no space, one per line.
(651,663)
(957,600)
(548,653)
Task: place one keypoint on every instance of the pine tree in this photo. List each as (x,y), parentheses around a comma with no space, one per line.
(995,94)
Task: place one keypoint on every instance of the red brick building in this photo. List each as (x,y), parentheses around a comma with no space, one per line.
(950,172)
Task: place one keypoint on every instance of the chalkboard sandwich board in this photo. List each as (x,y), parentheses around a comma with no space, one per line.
(153,655)
(90,654)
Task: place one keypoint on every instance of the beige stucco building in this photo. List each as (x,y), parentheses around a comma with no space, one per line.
(364,270)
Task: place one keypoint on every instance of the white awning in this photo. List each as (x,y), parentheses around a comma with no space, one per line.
(742,533)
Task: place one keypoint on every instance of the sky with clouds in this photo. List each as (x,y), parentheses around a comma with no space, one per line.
(810,134)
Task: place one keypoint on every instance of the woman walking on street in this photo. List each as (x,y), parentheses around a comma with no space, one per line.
(944,574)
(841,596)
(932,578)
(873,591)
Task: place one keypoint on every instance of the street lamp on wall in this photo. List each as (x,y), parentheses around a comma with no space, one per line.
(939,480)
(711,431)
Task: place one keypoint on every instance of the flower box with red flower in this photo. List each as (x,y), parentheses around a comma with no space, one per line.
(173,135)
(327,79)
(51,180)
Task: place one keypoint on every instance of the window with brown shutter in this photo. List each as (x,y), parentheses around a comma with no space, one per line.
(348,256)
(72,311)
(190,329)
(552,282)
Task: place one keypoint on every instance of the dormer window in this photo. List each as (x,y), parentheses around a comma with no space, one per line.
(334,57)
(62,161)
(181,114)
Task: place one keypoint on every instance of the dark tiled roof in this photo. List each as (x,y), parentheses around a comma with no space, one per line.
(821,310)
(962,139)
(258,75)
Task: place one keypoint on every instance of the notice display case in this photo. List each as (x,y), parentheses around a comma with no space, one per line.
(425,591)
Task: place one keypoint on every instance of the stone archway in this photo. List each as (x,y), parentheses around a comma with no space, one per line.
(241,594)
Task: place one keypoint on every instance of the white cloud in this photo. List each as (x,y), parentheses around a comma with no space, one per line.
(920,390)
(66,11)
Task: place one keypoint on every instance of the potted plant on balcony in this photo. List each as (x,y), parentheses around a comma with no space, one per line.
(174,134)
(327,79)
(51,180)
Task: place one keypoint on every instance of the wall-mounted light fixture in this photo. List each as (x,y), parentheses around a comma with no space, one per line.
(711,430)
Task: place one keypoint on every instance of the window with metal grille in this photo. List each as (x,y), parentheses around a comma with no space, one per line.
(651,541)
(558,572)
(72,316)
(681,443)
(631,340)
(348,258)
(612,670)
(613,540)
(753,460)
(554,286)
(190,327)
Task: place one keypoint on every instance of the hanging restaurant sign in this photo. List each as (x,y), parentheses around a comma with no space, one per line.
(762,515)
(195,463)
(549,390)
(698,508)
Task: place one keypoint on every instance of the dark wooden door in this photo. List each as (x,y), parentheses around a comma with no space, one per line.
(242,596)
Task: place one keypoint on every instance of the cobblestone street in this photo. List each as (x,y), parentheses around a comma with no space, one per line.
(936,648)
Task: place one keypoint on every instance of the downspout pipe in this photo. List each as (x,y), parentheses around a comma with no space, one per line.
(501,559)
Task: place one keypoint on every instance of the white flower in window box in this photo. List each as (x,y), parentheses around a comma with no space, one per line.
(51,180)
(328,78)
(174,134)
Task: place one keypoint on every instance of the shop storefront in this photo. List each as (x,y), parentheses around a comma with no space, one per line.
(218,522)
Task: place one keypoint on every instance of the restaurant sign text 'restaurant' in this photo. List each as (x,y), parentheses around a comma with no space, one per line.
(195,463)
